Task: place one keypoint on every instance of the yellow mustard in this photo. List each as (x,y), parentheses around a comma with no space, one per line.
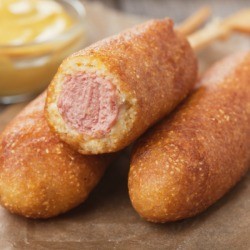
(25,21)
(30,45)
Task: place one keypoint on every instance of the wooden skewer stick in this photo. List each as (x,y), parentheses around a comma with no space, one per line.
(240,21)
(219,29)
(188,26)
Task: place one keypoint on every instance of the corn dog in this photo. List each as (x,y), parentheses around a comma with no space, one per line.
(40,176)
(189,161)
(104,97)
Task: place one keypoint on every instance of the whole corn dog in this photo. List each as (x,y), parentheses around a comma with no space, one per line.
(105,96)
(187,162)
(40,176)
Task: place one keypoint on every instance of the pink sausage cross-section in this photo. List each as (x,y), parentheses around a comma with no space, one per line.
(88,103)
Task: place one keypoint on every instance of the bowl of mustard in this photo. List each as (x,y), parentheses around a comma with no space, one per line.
(35,36)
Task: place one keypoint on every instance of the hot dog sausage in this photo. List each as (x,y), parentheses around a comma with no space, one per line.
(105,96)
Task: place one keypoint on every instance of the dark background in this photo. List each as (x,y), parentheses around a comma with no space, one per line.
(174,8)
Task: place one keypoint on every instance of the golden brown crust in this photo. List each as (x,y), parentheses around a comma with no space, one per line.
(40,176)
(154,65)
(187,162)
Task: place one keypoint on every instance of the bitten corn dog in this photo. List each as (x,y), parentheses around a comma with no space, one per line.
(40,176)
(187,162)
(104,97)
